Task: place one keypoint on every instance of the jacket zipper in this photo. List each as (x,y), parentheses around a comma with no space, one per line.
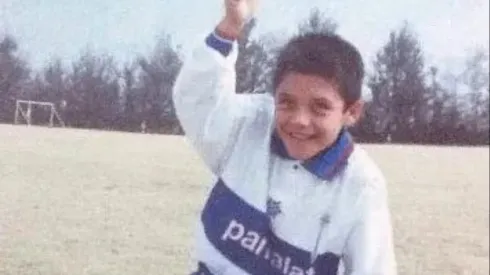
(324,221)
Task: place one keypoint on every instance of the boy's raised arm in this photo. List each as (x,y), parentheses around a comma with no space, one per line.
(204,97)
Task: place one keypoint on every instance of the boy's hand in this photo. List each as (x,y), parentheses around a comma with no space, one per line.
(237,12)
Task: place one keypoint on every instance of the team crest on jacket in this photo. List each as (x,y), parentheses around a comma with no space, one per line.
(273,208)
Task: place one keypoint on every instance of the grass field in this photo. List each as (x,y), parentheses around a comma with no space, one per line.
(86,202)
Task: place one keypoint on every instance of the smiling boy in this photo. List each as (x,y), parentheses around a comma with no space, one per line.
(293,193)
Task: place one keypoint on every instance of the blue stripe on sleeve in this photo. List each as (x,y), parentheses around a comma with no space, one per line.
(222,45)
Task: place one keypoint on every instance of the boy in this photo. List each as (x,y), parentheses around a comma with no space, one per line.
(294,195)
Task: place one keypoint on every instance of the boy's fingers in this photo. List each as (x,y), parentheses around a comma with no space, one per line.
(253,5)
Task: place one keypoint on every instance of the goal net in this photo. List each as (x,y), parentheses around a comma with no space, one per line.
(44,111)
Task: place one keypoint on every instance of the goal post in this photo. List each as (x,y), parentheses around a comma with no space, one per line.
(23,110)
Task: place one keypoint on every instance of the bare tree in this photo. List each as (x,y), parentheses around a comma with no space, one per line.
(317,22)
(14,74)
(253,64)
(398,86)
(155,82)
(93,93)
(475,77)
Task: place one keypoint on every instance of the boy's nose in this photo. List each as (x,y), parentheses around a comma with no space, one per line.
(300,118)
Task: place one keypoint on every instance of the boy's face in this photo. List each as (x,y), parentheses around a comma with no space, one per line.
(310,113)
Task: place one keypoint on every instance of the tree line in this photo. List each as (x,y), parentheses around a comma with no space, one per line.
(408,100)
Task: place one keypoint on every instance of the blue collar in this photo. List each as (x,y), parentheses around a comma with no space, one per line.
(326,164)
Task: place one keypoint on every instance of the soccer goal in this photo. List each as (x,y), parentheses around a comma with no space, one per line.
(23,110)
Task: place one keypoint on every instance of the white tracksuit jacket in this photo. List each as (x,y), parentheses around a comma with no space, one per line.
(268,214)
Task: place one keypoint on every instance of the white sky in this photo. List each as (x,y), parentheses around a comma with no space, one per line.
(45,28)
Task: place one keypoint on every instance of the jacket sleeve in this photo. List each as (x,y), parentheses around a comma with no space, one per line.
(370,248)
(208,109)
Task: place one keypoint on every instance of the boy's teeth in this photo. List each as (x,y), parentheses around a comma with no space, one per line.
(302,137)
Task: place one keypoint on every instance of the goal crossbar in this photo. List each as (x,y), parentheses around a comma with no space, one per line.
(41,103)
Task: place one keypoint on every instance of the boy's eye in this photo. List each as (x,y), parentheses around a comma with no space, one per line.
(321,107)
(285,102)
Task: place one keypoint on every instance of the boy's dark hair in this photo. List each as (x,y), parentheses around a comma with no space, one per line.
(325,55)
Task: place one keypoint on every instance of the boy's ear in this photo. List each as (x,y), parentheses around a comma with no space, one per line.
(354,113)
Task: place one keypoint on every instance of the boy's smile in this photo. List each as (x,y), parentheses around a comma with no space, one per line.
(310,113)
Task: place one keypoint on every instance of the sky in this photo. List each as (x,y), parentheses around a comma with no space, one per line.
(447,29)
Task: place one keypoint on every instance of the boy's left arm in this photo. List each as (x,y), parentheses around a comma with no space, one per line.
(370,246)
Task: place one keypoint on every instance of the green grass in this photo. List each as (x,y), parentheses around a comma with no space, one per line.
(92,202)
